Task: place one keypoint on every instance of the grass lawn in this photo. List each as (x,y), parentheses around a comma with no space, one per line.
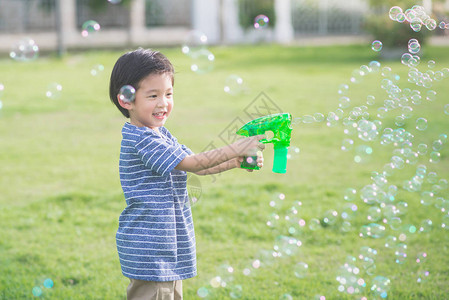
(61,197)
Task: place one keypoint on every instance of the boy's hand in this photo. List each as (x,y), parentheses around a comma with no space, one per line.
(249,146)
(259,161)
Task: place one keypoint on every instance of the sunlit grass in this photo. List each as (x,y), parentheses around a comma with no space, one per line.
(61,195)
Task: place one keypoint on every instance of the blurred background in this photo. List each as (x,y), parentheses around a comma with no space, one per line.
(56,25)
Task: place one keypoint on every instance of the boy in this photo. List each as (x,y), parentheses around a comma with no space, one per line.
(155,238)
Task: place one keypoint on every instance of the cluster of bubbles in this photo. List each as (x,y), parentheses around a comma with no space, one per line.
(202,60)
(41,287)
(195,47)
(26,50)
(380,204)
(286,225)
(416,17)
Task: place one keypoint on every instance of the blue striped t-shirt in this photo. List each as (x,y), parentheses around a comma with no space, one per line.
(155,238)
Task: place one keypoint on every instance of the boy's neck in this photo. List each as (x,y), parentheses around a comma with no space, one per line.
(155,129)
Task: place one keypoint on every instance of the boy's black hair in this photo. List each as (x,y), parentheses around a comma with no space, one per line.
(134,66)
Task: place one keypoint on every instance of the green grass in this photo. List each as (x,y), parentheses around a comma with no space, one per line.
(60,193)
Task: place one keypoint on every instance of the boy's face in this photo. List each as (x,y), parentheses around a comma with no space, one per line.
(153,102)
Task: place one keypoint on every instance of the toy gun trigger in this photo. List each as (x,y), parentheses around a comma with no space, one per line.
(266,141)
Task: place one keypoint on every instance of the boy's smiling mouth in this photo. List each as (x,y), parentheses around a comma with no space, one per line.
(160,115)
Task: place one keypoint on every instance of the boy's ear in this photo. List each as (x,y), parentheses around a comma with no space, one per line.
(125,104)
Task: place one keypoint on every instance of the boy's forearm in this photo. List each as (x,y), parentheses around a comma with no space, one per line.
(206,160)
(225,166)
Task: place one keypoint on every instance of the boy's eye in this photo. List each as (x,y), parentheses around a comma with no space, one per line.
(152,96)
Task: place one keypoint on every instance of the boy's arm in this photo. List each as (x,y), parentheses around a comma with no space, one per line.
(230,164)
(226,155)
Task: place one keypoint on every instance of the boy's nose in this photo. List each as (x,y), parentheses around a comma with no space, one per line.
(163,102)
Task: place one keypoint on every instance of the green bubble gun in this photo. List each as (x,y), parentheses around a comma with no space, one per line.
(281,126)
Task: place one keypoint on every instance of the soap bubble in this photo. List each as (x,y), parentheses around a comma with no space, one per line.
(421,257)
(344,102)
(373,214)
(90,27)
(400,253)
(431,64)
(445,222)
(314,224)
(318,117)
(226,274)
(427,198)
(343,89)
(421,124)
(194,41)
(350,194)
(37,291)
(330,217)
(394,12)
(114,1)
(48,283)
(431,95)
(446,109)
(414,46)
(405,58)
(202,61)
(202,292)
(372,230)
(367,130)
(370,100)
(374,66)
(236,291)
(347,144)
(286,296)
(381,286)
(25,50)
(376,45)
(261,21)
(422,276)
(216,282)
(363,153)
(395,223)
(127,93)
(97,69)
(435,157)
(416,24)
(54,90)
(293,153)
(286,245)
(437,145)
(301,269)
(391,242)
(233,85)
(431,24)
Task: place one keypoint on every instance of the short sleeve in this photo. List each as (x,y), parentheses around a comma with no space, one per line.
(187,149)
(175,140)
(158,155)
